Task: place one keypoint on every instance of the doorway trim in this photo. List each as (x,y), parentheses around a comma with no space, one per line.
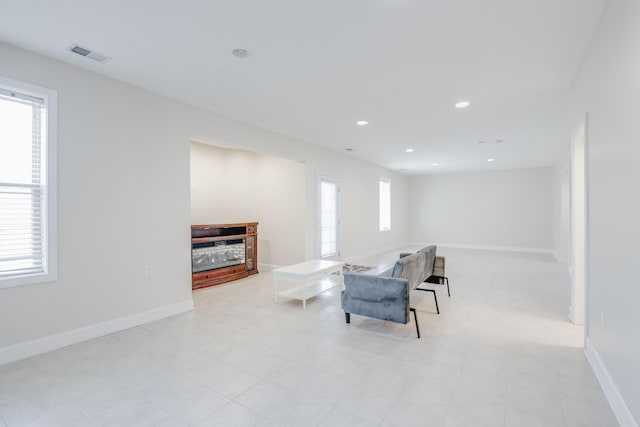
(579,229)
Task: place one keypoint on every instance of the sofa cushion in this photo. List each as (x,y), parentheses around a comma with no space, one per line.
(411,268)
(430,258)
(387,273)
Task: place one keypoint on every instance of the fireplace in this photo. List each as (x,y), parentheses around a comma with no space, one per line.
(218,254)
(223,252)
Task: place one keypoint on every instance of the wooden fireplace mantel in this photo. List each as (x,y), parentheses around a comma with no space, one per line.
(208,236)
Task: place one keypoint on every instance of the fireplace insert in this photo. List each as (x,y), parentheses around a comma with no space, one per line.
(217,254)
(223,252)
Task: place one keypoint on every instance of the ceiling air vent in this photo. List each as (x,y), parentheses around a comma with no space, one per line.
(92,54)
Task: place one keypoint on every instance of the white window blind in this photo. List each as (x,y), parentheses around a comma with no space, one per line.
(385,204)
(23,186)
(328,218)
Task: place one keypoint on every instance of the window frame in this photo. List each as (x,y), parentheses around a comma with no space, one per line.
(50,219)
(333,180)
(381,226)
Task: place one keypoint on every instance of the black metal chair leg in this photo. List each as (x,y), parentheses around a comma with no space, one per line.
(347,317)
(435,297)
(439,280)
(415,316)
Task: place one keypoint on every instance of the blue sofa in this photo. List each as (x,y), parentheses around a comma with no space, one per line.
(386,296)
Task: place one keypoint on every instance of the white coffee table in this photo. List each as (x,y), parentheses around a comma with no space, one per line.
(307,277)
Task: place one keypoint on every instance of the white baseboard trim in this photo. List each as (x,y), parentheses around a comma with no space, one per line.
(356,258)
(267,267)
(618,405)
(488,247)
(27,349)
(378,251)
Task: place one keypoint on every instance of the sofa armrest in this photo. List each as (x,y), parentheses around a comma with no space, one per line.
(372,287)
(380,297)
(405,254)
(438,266)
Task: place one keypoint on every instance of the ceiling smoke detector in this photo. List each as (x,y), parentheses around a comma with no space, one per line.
(240,53)
(91,54)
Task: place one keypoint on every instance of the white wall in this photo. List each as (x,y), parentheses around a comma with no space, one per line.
(123,200)
(508,209)
(359,205)
(359,193)
(123,203)
(608,88)
(230,186)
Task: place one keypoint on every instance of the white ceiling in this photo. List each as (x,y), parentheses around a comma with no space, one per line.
(316,67)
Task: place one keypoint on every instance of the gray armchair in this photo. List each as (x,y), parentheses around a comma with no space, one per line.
(385,296)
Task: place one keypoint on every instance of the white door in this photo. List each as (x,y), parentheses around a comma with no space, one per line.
(328,217)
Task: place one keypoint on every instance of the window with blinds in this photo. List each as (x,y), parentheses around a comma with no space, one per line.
(24,187)
(328,217)
(385,204)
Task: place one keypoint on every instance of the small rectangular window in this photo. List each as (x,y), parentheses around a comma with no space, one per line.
(328,220)
(385,204)
(27,190)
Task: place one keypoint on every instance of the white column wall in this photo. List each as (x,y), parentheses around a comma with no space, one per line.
(607,87)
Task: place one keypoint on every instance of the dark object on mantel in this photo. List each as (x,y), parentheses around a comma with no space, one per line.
(221,253)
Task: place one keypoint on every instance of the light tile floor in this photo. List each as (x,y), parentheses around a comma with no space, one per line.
(501,353)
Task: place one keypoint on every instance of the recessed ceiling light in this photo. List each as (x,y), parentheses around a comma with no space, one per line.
(481,142)
(409,150)
(462,104)
(362,122)
(499,141)
(434,164)
(491,160)
(349,149)
(240,53)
